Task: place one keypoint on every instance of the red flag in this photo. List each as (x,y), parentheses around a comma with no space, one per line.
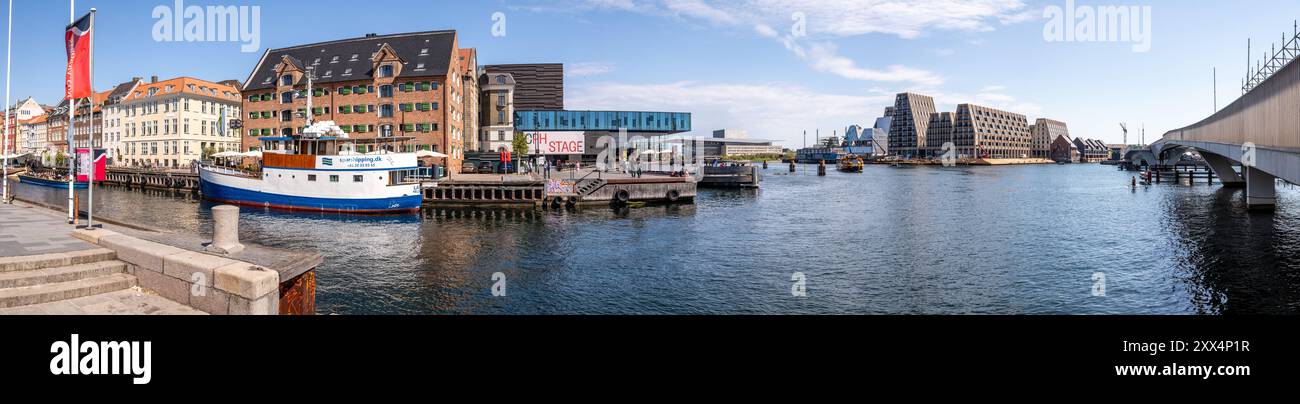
(77,78)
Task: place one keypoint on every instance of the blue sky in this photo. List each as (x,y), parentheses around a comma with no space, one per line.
(738,63)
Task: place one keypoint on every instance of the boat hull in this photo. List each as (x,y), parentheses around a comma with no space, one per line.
(51,183)
(248,192)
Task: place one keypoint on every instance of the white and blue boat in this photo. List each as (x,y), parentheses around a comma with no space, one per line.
(320,171)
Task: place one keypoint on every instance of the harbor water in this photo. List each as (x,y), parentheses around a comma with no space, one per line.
(1045,239)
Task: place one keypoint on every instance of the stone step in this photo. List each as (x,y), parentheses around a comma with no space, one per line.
(18,279)
(34,262)
(53,292)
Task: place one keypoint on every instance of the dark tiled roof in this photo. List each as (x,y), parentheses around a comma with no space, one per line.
(121,91)
(432,49)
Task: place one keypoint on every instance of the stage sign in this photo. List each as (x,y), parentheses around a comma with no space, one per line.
(556,143)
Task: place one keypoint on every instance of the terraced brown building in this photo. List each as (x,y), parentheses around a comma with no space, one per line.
(401,85)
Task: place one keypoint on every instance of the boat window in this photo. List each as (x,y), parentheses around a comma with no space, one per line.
(357,178)
(334,178)
(311,177)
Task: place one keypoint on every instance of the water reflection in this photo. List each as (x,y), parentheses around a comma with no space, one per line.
(1234,261)
(1004,240)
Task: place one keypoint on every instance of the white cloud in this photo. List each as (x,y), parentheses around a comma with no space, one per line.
(699,9)
(770,111)
(587,69)
(824,58)
(902,18)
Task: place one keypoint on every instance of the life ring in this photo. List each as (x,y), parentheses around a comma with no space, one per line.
(622,196)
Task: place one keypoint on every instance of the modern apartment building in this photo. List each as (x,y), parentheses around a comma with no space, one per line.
(1091,150)
(1044,132)
(403,86)
(939,132)
(985,132)
(538,86)
(911,120)
(498,112)
(173,123)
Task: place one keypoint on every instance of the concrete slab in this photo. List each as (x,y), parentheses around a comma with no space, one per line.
(186,265)
(145,254)
(124,302)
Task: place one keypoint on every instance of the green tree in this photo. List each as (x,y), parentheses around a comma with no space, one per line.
(519,144)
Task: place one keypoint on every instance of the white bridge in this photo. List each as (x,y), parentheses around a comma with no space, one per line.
(1260,132)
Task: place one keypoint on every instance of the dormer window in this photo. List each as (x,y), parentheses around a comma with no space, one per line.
(354,57)
(419,66)
(334,59)
(501,79)
(286,80)
(424,51)
(386,71)
(347,72)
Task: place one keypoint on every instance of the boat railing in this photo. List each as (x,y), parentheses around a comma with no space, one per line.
(232,171)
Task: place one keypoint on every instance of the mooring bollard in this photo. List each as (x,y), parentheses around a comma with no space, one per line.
(225,230)
(791,165)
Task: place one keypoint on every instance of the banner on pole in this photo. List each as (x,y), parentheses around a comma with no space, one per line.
(84,164)
(77,77)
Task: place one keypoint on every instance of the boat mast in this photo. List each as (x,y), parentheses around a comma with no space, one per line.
(310,73)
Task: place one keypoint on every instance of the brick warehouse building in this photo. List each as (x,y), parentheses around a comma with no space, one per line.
(401,85)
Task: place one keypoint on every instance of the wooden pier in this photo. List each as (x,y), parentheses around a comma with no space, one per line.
(152,179)
(591,187)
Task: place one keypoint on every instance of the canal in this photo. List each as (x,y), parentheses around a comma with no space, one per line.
(925,240)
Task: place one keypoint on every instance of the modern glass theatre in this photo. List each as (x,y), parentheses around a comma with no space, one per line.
(603,121)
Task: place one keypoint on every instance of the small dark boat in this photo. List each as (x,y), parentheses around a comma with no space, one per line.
(49,182)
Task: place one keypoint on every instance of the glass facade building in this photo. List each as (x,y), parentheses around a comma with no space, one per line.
(612,121)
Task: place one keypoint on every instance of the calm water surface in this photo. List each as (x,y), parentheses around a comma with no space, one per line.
(928,240)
